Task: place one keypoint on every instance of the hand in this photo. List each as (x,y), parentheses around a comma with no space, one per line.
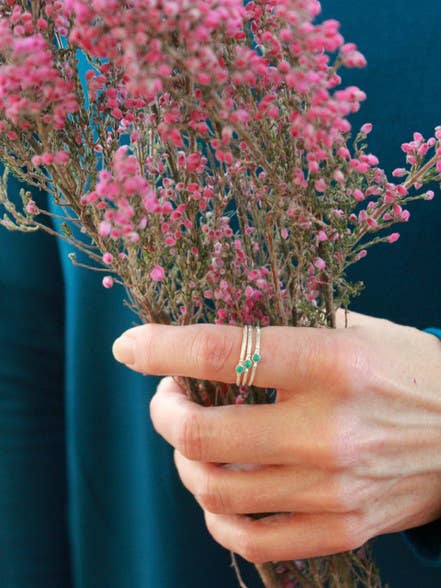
(350,450)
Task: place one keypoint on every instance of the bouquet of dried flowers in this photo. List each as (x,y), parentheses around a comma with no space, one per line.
(199,154)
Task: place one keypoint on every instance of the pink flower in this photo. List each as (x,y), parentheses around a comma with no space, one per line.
(358,195)
(361,254)
(320,185)
(157,274)
(104,228)
(31,208)
(61,157)
(393,237)
(107,282)
(320,263)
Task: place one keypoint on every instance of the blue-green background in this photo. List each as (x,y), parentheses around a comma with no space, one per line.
(88,494)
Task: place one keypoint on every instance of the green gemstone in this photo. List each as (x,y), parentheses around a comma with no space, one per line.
(256,358)
(248,363)
(239,369)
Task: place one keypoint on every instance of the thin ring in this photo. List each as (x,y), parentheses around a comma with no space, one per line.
(240,366)
(248,362)
(256,357)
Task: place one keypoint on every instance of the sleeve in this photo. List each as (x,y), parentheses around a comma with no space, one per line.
(425,541)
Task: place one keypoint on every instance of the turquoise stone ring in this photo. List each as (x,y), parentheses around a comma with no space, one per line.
(249,357)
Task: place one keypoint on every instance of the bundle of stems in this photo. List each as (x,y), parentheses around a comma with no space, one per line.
(200,155)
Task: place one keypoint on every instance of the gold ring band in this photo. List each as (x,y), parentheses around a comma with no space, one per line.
(249,358)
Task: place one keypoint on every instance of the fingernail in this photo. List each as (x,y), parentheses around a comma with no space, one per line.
(124,350)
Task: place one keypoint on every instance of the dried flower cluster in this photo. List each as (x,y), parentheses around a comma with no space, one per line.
(203,156)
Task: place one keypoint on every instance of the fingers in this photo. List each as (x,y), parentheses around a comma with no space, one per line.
(220,434)
(288,536)
(291,357)
(302,432)
(232,489)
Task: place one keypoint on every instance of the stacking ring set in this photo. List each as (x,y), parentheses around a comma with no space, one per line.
(249,357)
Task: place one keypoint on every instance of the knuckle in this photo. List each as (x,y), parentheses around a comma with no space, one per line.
(189,437)
(150,359)
(211,497)
(211,350)
(350,366)
(349,534)
(341,496)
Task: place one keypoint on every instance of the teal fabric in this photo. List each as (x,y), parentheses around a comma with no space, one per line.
(89,497)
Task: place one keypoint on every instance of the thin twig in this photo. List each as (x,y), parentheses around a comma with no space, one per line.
(237,570)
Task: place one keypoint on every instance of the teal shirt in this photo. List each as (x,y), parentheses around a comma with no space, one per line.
(89,497)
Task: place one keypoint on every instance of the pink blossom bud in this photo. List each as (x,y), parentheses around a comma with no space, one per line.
(322,236)
(222,314)
(372,159)
(344,152)
(107,282)
(31,207)
(107,258)
(430,194)
(405,216)
(366,128)
(47,158)
(399,172)
(361,254)
(61,157)
(273,112)
(157,274)
(362,217)
(283,67)
(393,237)
(339,176)
(402,191)
(320,185)
(358,195)
(104,228)
(320,263)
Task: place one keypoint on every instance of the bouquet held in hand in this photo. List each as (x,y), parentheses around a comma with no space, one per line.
(204,161)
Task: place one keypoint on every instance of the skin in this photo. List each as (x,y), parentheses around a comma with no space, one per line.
(350,450)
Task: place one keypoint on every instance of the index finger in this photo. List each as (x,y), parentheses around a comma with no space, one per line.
(291,357)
